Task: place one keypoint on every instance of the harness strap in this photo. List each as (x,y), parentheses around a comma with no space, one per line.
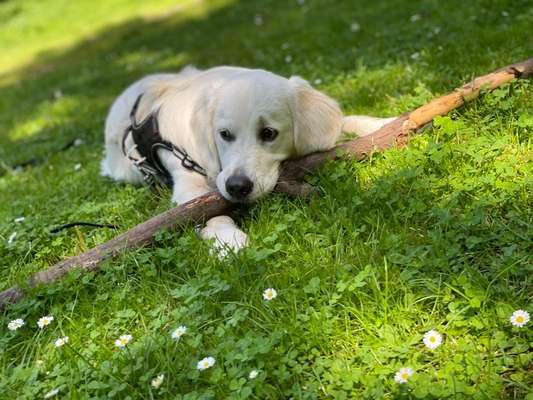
(147,140)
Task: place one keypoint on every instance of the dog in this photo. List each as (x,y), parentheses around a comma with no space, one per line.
(225,128)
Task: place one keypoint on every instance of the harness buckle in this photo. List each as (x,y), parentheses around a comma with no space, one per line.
(146,141)
(188,163)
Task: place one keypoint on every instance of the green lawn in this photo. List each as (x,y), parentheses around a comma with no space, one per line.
(436,236)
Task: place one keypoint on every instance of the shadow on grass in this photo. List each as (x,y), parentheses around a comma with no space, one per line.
(320,40)
(363,54)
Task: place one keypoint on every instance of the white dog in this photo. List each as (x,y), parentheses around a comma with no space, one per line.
(225,128)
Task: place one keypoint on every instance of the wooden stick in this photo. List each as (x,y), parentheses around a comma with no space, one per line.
(396,133)
(203,207)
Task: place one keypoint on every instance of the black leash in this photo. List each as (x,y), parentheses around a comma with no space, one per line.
(81,223)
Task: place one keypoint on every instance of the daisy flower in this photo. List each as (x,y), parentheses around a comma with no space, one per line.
(61,341)
(403,375)
(123,340)
(157,381)
(519,318)
(355,27)
(258,20)
(270,294)
(19,219)
(15,324)
(178,332)
(205,363)
(432,339)
(51,393)
(253,374)
(12,238)
(45,321)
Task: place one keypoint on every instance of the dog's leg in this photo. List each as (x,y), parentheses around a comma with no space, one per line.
(363,125)
(226,236)
(117,166)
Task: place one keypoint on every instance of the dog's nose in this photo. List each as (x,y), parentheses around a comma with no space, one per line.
(239,186)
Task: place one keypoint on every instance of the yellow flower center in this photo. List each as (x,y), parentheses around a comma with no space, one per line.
(405,376)
(206,364)
(432,339)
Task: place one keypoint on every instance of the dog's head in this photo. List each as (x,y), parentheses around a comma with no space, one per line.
(258,120)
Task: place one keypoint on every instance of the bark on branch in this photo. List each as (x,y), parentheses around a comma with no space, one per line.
(396,133)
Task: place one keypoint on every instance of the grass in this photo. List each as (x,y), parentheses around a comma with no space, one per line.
(435,236)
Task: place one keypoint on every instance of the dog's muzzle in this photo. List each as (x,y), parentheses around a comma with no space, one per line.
(239,187)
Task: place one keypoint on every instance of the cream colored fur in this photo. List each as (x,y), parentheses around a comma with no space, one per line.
(194,106)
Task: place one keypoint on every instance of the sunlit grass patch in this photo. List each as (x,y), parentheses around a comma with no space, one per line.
(337,295)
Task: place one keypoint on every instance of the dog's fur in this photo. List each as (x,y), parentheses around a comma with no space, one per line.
(196,106)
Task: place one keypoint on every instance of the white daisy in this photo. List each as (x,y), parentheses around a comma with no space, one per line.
(11,238)
(178,332)
(15,324)
(355,27)
(519,318)
(258,20)
(270,294)
(19,219)
(77,167)
(317,81)
(432,339)
(157,381)
(123,340)
(61,341)
(78,142)
(45,321)
(51,393)
(415,17)
(205,363)
(253,374)
(415,55)
(403,375)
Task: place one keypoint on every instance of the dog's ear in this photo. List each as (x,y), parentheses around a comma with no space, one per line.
(317,118)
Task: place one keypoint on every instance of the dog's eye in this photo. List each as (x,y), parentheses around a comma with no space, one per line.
(268,134)
(226,135)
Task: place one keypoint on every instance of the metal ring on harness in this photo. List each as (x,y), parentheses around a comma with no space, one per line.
(147,141)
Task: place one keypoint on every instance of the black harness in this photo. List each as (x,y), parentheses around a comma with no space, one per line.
(147,140)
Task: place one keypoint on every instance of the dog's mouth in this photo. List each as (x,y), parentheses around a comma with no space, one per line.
(239,199)
(242,188)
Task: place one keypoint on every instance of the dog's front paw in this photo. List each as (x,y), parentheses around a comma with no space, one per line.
(227,237)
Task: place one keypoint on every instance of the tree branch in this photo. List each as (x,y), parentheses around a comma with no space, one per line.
(396,133)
